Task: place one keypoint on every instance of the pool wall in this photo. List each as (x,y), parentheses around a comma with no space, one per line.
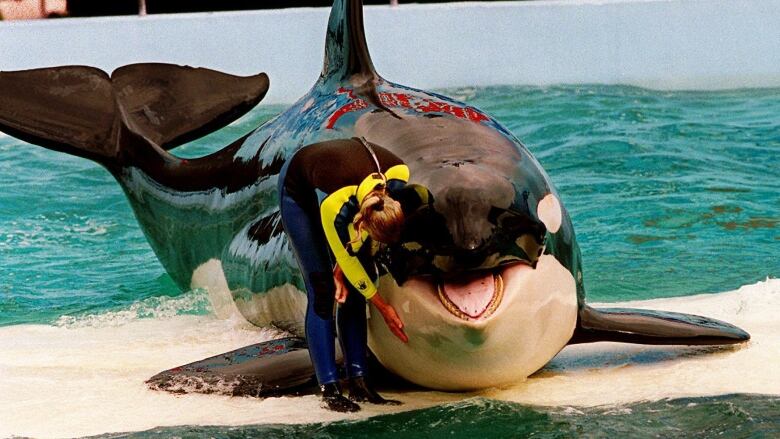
(663,44)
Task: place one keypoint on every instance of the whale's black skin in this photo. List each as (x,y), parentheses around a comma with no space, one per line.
(485,184)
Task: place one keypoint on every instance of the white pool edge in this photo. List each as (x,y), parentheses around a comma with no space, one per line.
(660,44)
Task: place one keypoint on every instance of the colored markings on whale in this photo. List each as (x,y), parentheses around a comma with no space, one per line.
(403,100)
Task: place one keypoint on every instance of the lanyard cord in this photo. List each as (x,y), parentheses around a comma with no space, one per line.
(373,156)
(358,220)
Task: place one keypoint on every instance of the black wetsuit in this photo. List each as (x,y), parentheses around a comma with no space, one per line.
(317,176)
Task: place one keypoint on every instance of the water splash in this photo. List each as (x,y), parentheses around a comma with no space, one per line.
(191,303)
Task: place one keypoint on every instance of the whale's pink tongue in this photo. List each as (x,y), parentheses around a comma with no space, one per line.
(471,295)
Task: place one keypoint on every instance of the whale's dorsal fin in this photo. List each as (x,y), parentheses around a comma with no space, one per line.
(653,327)
(82,111)
(346,51)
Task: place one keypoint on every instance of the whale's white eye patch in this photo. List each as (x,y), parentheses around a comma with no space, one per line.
(549,212)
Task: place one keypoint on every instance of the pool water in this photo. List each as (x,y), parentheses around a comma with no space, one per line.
(671,194)
(733,416)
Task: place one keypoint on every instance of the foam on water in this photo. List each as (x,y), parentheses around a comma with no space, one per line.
(193,302)
(87,377)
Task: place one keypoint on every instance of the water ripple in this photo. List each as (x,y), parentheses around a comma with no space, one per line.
(642,173)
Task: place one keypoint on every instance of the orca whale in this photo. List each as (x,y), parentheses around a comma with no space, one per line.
(487,277)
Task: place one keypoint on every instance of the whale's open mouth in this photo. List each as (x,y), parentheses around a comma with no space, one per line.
(472,297)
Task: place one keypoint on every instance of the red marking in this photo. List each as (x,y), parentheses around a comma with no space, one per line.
(388,100)
(431,107)
(347,91)
(458,112)
(356,105)
(403,100)
(474,115)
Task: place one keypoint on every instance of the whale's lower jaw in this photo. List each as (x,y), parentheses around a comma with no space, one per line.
(535,320)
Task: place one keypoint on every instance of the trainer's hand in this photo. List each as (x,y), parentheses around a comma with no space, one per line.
(391,317)
(341,287)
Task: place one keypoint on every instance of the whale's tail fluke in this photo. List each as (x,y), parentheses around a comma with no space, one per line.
(653,327)
(85,112)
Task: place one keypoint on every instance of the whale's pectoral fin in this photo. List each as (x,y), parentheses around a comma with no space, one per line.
(270,368)
(82,111)
(653,327)
(171,105)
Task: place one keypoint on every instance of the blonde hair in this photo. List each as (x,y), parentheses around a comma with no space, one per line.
(380,215)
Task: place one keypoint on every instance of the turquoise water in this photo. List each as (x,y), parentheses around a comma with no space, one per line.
(671,194)
(730,416)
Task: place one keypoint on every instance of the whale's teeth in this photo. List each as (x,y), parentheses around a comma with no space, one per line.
(487,311)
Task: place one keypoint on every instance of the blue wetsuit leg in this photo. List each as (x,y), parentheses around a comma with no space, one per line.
(351,321)
(308,242)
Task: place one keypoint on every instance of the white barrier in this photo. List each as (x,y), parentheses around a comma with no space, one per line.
(668,44)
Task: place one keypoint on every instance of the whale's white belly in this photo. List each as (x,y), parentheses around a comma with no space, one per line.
(283,306)
(534,322)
